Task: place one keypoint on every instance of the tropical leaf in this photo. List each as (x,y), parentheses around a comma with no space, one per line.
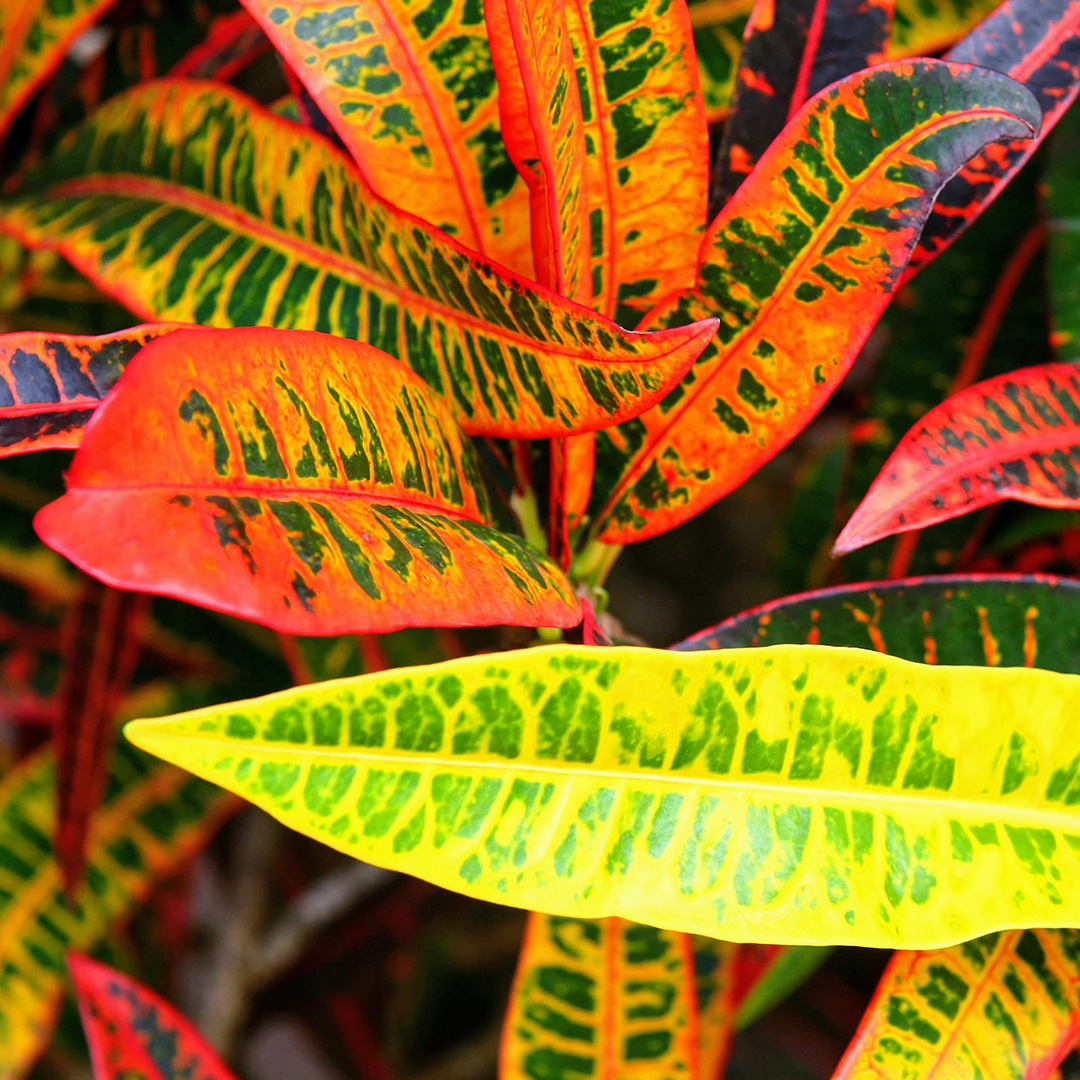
(202,233)
(1011,620)
(544,133)
(926,27)
(790,52)
(788,968)
(801,263)
(715,965)
(34,35)
(325,489)
(411,91)
(152,820)
(133,1033)
(798,794)
(1038,43)
(1006,1005)
(50,384)
(1016,436)
(601,997)
(718,27)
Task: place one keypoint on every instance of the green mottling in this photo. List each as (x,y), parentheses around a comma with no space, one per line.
(326,786)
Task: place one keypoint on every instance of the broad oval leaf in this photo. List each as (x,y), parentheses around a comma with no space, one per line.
(1008,620)
(797,794)
(1005,1006)
(1016,436)
(152,820)
(240,217)
(133,1033)
(799,265)
(411,91)
(604,998)
(310,483)
(50,384)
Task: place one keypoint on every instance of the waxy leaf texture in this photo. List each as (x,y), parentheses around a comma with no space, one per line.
(797,794)
(799,266)
(50,384)
(134,1034)
(604,998)
(310,483)
(1016,436)
(186,200)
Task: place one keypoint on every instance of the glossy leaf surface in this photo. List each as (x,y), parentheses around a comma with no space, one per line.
(1005,1006)
(1013,437)
(601,997)
(410,89)
(133,1033)
(254,221)
(1012,620)
(795,795)
(50,384)
(799,265)
(1038,43)
(151,821)
(310,483)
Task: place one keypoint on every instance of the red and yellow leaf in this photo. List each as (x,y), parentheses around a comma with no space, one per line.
(411,91)
(1016,436)
(1036,42)
(133,1033)
(800,265)
(310,483)
(543,129)
(1005,1006)
(240,217)
(50,384)
(604,998)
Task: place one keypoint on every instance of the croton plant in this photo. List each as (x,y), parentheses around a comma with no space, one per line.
(444,304)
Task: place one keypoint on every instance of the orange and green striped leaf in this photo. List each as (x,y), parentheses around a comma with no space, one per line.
(790,52)
(604,998)
(238,217)
(796,794)
(544,133)
(410,89)
(718,27)
(50,384)
(34,35)
(1038,43)
(799,266)
(715,966)
(151,821)
(310,483)
(133,1033)
(1005,1006)
(1016,436)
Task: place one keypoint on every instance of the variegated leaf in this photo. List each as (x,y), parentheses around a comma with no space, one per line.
(237,217)
(410,88)
(798,794)
(718,27)
(1005,1006)
(800,265)
(927,27)
(601,997)
(715,965)
(311,483)
(50,384)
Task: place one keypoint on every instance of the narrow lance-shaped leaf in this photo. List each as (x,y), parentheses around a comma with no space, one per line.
(411,91)
(50,384)
(152,820)
(797,794)
(1038,43)
(1062,205)
(1012,620)
(237,217)
(133,1033)
(34,35)
(601,997)
(232,42)
(787,969)
(1005,1006)
(1013,437)
(544,133)
(799,265)
(323,489)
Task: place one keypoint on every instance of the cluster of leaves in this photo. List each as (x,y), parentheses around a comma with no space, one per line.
(444,306)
